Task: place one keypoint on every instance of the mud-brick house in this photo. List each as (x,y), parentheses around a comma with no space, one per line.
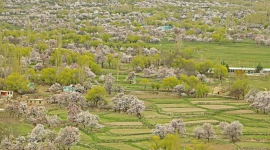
(6,94)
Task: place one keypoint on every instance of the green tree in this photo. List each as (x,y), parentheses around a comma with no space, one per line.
(16,82)
(188,64)
(2,5)
(199,146)
(139,61)
(48,75)
(145,82)
(220,71)
(170,142)
(239,88)
(133,38)
(169,82)
(192,81)
(110,59)
(259,67)
(68,76)
(2,84)
(187,53)
(219,36)
(157,86)
(106,37)
(201,90)
(96,95)
(30,74)
(205,66)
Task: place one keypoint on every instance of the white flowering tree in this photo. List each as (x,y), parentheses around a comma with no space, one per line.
(55,87)
(131,77)
(222,125)
(53,121)
(39,134)
(179,89)
(163,130)
(64,98)
(73,111)
(198,131)
(262,102)
(178,126)
(233,131)
(208,131)
(170,128)
(68,137)
(22,109)
(87,119)
(136,106)
(128,103)
(251,95)
(87,84)
(36,115)
(109,82)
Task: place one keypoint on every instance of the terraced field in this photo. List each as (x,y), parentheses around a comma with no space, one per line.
(125,131)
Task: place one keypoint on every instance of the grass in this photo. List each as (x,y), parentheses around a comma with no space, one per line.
(124,123)
(158,121)
(130,131)
(131,137)
(153,114)
(240,112)
(216,107)
(183,110)
(173,105)
(143,144)
(256,116)
(256,145)
(120,146)
(208,102)
(245,54)
(202,121)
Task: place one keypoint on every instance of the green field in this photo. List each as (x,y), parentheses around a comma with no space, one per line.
(246,54)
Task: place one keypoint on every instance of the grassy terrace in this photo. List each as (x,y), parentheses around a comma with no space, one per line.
(123,131)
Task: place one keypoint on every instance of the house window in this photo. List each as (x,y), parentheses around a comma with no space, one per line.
(39,102)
